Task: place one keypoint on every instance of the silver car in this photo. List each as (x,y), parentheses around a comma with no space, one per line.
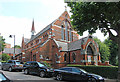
(12,65)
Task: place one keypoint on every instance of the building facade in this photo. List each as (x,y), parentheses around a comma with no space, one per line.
(10,51)
(59,45)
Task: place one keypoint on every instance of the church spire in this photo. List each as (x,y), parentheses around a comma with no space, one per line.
(23,42)
(33,29)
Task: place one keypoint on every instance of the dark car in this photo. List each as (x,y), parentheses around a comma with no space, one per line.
(3,78)
(12,65)
(33,67)
(74,73)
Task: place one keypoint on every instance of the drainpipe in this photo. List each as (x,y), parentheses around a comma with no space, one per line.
(69,57)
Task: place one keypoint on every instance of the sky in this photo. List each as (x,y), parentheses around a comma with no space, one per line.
(16,18)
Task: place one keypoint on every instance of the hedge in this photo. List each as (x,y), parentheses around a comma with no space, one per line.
(109,72)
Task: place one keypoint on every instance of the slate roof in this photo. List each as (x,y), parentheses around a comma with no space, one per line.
(11,50)
(41,32)
(75,45)
(62,44)
(70,46)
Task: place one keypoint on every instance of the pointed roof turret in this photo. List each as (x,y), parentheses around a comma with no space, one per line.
(33,28)
(22,42)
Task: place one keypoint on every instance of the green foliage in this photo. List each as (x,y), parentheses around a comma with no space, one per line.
(5,57)
(105,71)
(2,42)
(92,16)
(103,49)
(113,51)
(46,64)
(17,46)
(3,61)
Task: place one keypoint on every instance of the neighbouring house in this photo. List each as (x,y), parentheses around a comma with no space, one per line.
(59,45)
(10,51)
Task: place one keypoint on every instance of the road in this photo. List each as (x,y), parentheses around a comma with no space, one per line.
(16,76)
(21,77)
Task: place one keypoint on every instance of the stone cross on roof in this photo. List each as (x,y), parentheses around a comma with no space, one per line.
(65,8)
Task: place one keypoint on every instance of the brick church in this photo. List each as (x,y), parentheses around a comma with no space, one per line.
(59,45)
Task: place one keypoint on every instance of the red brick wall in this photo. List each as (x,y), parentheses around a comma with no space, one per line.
(78,56)
(57,31)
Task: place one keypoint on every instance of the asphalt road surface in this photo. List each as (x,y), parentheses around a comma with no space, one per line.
(16,76)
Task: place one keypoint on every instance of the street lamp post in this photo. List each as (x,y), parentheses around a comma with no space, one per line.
(14,45)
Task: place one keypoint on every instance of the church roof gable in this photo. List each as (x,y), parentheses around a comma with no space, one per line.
(63,17)
(64,45)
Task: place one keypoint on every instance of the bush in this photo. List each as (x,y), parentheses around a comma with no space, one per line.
(104,71)
(3,61)
(5,57)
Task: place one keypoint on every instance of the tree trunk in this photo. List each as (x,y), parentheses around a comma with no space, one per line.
(119,57)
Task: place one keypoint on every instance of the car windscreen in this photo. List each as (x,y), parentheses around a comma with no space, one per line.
(2,77)
(83,70)
(18,62)
(41,65)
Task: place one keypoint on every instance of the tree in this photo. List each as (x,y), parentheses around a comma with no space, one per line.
(94,15)
(17,46)
(103,49)
(2,43)
(113,51)
(5,57)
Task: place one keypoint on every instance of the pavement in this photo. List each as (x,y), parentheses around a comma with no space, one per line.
(111,80)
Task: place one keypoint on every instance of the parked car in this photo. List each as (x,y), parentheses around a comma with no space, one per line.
(12,65)
(3,78)
(74,73)
(34,67)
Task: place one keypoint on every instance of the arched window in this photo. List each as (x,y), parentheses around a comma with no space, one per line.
(89,50)
(74,57)
(56,57)
(47,58)
(62,32)
(89,53)
(65,57)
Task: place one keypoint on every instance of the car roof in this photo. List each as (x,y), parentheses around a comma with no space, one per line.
(13,60)
(30,61)
(69,67)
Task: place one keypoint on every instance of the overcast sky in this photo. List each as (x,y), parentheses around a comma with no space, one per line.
(16,17)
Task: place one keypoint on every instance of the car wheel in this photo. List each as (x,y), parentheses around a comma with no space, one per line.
(26,71)
(2,68)
(42,74)
(10,69)
(59,77)
(20,70)
(91,80)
